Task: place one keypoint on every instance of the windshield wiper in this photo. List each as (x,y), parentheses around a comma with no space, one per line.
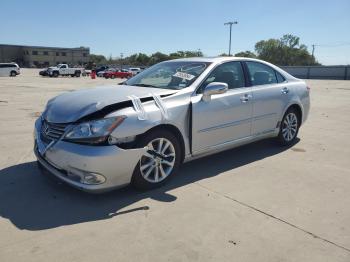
(145,85)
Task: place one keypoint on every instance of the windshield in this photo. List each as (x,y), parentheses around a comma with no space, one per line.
(169,75)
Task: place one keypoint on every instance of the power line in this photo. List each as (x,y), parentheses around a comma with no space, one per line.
(328,45)
(333,45)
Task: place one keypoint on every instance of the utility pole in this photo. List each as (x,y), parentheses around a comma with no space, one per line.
(230,24)
(121,61)
(313,51)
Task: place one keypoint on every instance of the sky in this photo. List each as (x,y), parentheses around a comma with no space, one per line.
(114,27)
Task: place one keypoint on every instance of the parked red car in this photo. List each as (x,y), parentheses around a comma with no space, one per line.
(117,74)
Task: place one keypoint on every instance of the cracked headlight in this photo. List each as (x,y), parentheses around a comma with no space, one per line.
(94,132)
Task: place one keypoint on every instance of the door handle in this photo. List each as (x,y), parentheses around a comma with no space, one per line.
(285,90)
(245,98)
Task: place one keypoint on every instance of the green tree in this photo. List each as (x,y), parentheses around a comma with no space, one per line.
(180,54)
(142,59)
(97,59)
(285,51)
(246,54)
(158,57)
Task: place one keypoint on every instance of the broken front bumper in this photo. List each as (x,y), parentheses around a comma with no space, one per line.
(74,163)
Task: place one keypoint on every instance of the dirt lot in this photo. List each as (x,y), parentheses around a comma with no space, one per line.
(255,203)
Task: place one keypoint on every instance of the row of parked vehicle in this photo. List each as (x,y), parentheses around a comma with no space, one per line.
(103,71)
(12,69)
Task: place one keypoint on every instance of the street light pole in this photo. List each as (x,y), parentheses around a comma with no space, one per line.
(121,61)
(230,24)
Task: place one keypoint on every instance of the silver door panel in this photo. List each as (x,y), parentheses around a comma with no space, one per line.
(226,117)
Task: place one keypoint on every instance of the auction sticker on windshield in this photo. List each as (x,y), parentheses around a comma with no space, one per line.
(184,75)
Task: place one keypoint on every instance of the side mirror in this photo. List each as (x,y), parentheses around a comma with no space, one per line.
(214,88)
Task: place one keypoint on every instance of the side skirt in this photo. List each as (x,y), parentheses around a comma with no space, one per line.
(228,145)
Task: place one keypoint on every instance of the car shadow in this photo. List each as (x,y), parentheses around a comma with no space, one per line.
(32,201)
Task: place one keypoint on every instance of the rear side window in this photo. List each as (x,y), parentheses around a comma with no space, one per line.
(230,73)
(261,74)
(7,65)
(280,78)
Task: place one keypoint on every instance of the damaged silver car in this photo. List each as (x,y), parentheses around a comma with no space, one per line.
(140,131)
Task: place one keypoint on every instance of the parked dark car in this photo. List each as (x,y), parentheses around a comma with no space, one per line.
(101,68)
(44,72)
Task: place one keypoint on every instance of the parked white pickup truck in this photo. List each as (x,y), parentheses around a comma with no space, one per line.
(64,70)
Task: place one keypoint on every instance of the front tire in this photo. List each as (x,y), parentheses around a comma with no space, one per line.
(159,164)
(289,127)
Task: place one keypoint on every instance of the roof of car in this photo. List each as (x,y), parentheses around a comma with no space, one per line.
(216,59)
(220,59)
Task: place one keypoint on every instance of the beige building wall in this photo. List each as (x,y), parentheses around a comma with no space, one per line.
(10,54)
(38,56)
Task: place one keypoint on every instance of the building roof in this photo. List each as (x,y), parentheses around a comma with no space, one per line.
(47,47)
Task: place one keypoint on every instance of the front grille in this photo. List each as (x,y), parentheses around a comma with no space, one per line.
(51,131)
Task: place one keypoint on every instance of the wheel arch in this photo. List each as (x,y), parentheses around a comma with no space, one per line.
(174,130)
(297,107)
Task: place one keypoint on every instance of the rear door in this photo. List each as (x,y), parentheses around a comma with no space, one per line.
(270,96)
(226,117)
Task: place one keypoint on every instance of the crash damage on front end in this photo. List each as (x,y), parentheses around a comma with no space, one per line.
(111,118)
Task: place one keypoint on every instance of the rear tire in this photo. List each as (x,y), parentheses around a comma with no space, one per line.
(289,127)
(13,73)
(153,171)
(77,74)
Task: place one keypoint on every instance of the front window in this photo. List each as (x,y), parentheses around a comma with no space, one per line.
(169,75)
(230,73)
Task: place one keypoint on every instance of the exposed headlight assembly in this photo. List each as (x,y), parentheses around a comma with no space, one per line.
(94,132)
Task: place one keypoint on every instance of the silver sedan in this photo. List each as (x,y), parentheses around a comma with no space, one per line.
(141,131)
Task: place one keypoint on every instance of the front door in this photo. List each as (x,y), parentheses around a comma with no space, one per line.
(226,117)
(63,70)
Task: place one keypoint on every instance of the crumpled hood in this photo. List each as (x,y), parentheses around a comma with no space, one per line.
(71,106)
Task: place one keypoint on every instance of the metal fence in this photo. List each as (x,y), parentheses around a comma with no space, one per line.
(319,72)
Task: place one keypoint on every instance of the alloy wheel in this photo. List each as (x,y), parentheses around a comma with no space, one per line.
(158,162)
(290,126)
